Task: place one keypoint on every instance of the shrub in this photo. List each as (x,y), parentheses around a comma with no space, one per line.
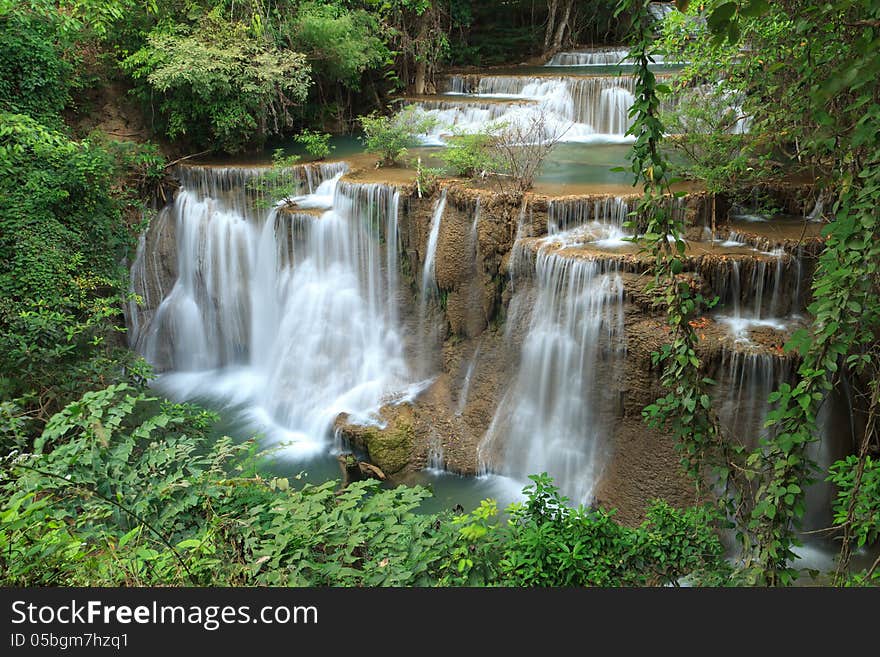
(520,148)
(390,136)
(548,543)
(317,143)
(35,74)
(471,154)
(122,490)
(277,183)
(63,235)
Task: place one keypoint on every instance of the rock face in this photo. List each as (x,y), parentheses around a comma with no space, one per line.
(485,255)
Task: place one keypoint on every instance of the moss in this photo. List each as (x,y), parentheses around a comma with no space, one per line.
(390,448)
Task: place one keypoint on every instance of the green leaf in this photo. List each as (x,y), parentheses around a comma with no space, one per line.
(754,8)
(720,17)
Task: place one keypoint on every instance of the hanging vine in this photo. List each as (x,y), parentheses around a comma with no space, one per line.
(687,406)
(838,66)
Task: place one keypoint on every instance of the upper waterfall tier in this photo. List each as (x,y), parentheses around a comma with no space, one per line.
(596,57)
(574,108)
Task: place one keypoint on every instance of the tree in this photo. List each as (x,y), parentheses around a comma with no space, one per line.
(217,84)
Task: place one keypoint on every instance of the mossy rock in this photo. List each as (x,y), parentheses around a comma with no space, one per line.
(389,448)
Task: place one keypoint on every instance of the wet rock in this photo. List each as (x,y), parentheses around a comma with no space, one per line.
(389,447)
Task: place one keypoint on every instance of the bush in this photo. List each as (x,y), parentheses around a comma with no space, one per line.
(121,490)
(317,143)
(277,183)
(520,148)
(63,235)
(547,543)
(35,74)
(390,136)
(470,154)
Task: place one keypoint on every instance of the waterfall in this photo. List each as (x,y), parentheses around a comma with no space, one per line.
(466,382)
(576,107)
(428,283)
(428,327)
(567,213)
(754,291)
(600,57)
(289,313)
(745,383)
(554,416)
(436,461)
(596,57)
(596,220)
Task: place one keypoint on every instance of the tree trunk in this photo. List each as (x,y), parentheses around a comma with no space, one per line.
(563,25)
(421,77)
(420,56)
(551,22)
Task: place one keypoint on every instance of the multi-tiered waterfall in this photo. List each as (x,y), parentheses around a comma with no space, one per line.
(459,328)
(292,312)
(556,415)
(574,107)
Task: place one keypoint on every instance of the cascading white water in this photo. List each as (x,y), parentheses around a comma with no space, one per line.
(564,214)
(742,399)
(554,416)
(597,57)
(466,382)
(428,328)
(756,299)
(431,248)
(575,108)
(597,221)
(290,314)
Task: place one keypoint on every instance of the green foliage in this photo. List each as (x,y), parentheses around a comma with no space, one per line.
(686,408)
(470,154)
(391,136)
(317,144)
(62,236)
(119,492)
(217,84)
(807,84)
(279,182)
(122,490)
(426,180)
(341,43)
(36,70)
(58,211)
(547,543)
(857,502)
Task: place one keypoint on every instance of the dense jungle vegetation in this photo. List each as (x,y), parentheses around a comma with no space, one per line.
(104,484)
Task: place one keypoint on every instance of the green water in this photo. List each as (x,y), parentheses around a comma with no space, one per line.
(583,164)
(449,490)
(570,163)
